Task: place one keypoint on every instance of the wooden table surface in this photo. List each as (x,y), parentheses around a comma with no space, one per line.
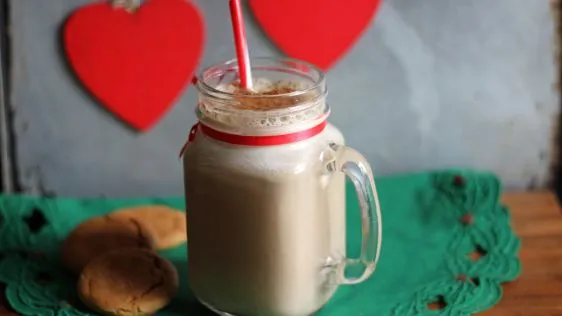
(537,219)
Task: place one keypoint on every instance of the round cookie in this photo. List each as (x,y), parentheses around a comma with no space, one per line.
(100,235)
(128,282)
(167,225)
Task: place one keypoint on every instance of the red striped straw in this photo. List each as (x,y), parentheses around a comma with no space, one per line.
(241,44)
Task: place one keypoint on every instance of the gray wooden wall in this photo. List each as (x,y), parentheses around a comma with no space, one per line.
(432,84)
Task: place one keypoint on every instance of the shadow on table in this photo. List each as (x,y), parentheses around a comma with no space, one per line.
(185,302)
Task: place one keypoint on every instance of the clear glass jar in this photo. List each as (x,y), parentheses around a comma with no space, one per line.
(265,195)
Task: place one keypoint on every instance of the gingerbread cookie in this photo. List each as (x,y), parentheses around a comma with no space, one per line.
(128,282)
(100,235)
(167,225)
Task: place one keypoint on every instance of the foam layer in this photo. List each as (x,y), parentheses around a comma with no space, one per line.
(260,85)
(248,110)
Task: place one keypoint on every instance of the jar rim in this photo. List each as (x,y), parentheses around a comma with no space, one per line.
(232,65)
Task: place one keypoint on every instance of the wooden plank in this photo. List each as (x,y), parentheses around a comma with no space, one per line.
(5,310)
(472,88)
(537,218)
(6,146)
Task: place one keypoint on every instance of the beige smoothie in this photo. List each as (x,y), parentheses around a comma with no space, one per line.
(266,224)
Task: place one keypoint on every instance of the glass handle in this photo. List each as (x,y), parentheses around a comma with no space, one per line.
(358,170)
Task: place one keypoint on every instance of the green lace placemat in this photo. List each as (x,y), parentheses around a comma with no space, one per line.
(447,247)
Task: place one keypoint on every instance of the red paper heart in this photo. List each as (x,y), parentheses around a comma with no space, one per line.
(317,31)
(136,63)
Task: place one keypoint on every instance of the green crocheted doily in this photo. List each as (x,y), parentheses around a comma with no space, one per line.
(432,224)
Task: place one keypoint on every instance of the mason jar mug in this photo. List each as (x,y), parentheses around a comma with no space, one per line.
(265,177)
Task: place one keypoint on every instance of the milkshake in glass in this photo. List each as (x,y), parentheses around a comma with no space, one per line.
(265,177)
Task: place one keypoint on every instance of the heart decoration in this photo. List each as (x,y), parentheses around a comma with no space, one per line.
(135,62)
(319,31)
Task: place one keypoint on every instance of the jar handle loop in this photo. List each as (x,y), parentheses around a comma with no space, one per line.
(357,169)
